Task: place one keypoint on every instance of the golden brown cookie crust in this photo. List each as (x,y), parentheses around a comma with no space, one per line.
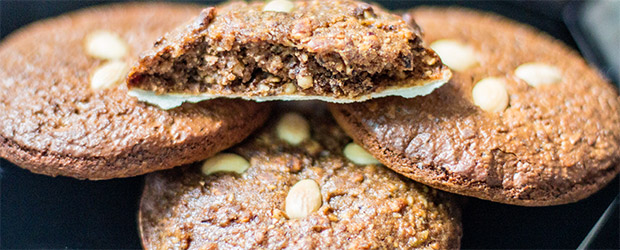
(363,206)
(53,123)
(553,144)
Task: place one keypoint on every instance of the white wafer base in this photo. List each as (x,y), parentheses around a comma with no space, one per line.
(173,100)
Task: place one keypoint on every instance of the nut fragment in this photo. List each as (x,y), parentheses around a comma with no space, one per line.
(262,88)
(225,162)
(293,128)
(103,44)
(304,81)
(289,88)
(358,155)
(303,199)
(108,75)
(456,55)
(279,6)
(490,94)
(536,74)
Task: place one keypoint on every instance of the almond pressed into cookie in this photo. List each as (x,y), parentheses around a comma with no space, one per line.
(64,108)
(306,195)
(523,121)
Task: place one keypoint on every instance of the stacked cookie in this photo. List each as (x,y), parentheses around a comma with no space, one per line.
(292,186)
(64,111)
(523,119)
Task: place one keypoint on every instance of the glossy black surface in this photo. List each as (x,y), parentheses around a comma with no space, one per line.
(43,212)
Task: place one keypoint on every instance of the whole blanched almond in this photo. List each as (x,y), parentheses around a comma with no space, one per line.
(303,199)
(225,162)
(490,94)
(293,128)
(279,6)
(454,54)
(358,155)
(108,75)
(105,45)
(537,74)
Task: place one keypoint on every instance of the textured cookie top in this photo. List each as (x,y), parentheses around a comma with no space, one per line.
(339,51)
(63,110)
(303,196)
(523,121)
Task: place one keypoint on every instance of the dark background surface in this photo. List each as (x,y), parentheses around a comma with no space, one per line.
(37,211)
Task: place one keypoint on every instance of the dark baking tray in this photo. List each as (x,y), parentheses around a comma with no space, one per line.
(37,211)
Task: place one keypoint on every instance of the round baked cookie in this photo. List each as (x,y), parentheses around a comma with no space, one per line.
(65,111)
(523,121)
(277,195)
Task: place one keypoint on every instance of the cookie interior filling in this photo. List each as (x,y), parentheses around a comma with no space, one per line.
(269,69)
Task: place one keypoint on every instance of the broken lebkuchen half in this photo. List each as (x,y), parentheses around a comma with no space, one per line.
(336,51)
